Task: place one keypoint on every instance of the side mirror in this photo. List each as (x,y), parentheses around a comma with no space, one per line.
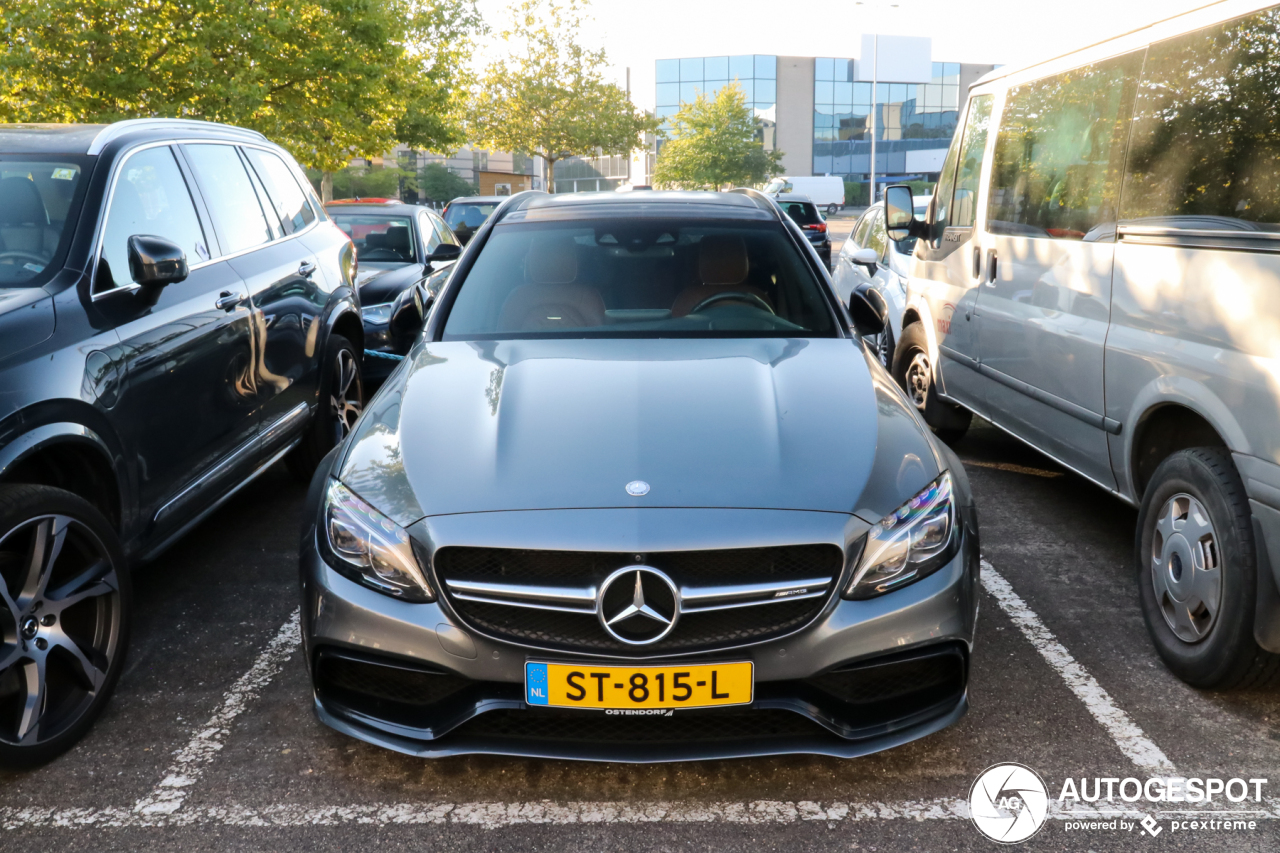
(899,213)
(155,261)
(868,309)
(866,258)
(408,315)
(445,252)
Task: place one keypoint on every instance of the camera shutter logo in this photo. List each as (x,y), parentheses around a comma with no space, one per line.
(1008,803)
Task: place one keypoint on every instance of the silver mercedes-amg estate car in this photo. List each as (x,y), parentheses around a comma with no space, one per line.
(640,492)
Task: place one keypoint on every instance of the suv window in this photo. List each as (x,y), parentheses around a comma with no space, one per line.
(150,197)
(876,236)
(1205,149)
(38,197)
(860,230)
(468,215)
(1060,152)
(802,212)
(282,188)
(630,278)
(229,193)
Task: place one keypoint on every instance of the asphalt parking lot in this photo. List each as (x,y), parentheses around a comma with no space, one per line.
(210,743)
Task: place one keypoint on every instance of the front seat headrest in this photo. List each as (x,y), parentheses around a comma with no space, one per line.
(722,259)
(23,204)
(552,260)
(398,238)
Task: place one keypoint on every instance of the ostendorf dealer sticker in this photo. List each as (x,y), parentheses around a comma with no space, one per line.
(1008,803)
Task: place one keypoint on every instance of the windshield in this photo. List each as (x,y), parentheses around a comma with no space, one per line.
(775,186)
(38,197)
(646,278)
(468,216)
(379,239)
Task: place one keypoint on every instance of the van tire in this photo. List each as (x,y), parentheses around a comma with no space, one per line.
(913,371)
(329,426)
(1227,657)
(833,209)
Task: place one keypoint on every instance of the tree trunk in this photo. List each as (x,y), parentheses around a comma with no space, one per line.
(326,187)
(551,175)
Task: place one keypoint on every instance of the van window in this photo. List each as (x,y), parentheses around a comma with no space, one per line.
(237,216)
(963,206)
(1205,150)
(1060,152)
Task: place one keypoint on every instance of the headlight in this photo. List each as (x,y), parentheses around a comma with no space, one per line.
(370,548)
(914,541)
(378,314)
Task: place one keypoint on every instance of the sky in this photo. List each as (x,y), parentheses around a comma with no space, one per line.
(1001,32)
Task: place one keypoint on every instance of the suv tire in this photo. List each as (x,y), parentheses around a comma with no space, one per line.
(913,371)
(341,402)
(1195,524)
(64,620)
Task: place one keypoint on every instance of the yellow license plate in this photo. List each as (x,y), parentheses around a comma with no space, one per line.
(562,685)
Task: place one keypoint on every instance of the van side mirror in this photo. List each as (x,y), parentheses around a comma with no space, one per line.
(899,213)
(869,311)
(155,261)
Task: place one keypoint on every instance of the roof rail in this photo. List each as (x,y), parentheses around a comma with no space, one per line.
(114,131)
(764,202)
(524,196)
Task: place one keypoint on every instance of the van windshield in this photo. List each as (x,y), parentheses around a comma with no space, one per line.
(648,278)
(39,200)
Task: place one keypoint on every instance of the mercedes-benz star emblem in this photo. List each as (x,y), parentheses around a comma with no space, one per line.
(637,488)
(638,605)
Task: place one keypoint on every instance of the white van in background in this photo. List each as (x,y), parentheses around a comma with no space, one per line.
(826,192)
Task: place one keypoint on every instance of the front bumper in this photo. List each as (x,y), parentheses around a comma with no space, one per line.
(862,677)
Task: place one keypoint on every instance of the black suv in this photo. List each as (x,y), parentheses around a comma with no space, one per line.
(177,313)
(804,213)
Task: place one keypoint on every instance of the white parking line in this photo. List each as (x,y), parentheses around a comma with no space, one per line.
(503,815)
(1132,741)
(171,793)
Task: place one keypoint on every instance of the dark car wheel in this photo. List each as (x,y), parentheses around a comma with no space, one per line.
(884,347)
(833,209)
(341,402)
(1197,571)
(913,371)
(64,620)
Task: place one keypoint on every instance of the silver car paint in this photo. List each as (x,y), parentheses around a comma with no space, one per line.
(798,424)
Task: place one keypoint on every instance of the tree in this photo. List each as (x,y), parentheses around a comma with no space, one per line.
(367,181)
(327,79)
(713,145)
(549,96)
(439,184)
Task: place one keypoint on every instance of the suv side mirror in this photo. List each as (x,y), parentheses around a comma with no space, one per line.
(445,252)
(899,213)
(155,261)
(868,309)
(867,258)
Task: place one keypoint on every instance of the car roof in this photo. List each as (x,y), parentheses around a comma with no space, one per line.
(399,208)
(481,199)
(92,138)
(736,204)
(790,197)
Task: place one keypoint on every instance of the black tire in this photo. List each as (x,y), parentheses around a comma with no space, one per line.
(833,209)
(1204,643)
(913,371)
(341,401)
(64,621)
(884,347)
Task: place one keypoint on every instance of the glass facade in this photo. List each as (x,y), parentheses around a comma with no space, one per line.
(678,81)
(908,116)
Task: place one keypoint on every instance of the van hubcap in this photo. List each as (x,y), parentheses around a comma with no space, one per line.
(919,375)
(1186,569)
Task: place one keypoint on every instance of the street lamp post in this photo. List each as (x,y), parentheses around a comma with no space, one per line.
(875,6)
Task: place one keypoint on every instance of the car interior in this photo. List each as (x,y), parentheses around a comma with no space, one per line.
(379,239)
(34,199)
(638,278)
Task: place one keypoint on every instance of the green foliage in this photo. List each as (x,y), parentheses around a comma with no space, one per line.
(439,184)
(328,79)
(855,194)
(367,181)
(713,145)
(548,96)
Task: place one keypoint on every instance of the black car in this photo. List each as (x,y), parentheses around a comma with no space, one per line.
(466,215)
(805,214)
(401,248)
(177,313)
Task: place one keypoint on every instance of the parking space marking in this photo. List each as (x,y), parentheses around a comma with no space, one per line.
(1127,735)
(171,793)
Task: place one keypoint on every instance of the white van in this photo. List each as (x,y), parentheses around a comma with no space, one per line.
(1099,276)
(826,192)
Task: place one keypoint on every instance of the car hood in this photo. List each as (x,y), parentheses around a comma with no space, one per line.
(803,424)
(383,284)
(26,318)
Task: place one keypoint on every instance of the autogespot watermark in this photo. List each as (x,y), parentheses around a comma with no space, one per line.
(1009,803)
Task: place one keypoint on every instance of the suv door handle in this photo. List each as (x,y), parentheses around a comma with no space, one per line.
(306,269)
(227,300)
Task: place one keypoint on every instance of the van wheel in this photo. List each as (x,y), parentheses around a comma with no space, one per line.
(833,209)
(913,371)
(64,620)
(341,402)
(1197,572)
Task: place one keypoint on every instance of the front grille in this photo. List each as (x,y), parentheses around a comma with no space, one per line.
(695,631)
(602,729)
